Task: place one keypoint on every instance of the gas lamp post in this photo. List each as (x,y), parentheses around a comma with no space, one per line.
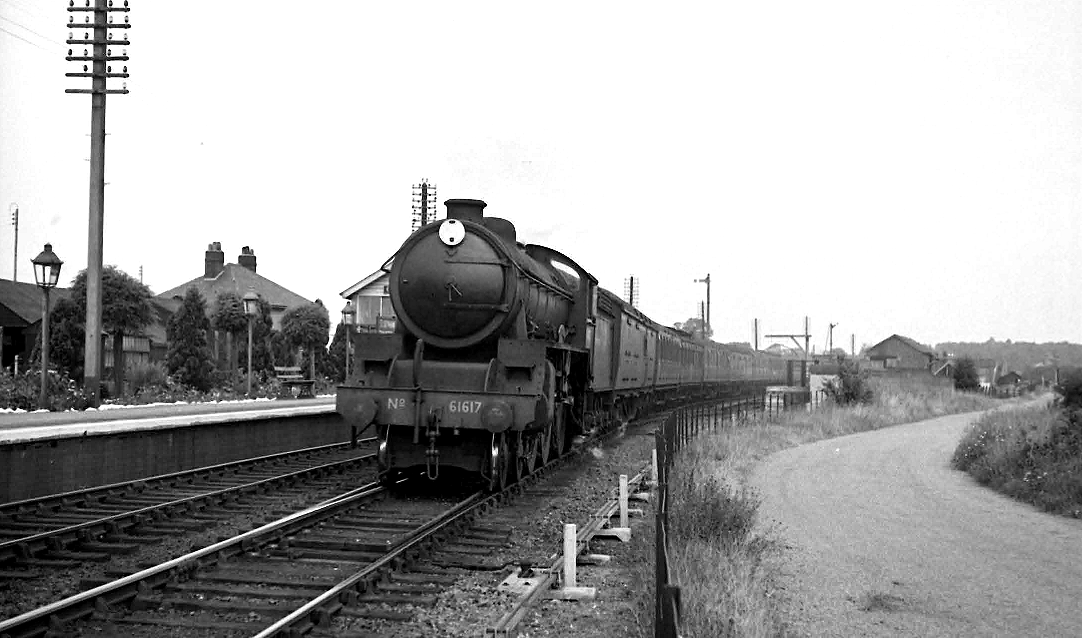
(348,315)
(46,273)
(251,309)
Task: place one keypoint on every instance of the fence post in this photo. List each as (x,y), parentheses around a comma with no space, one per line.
(660,566)
(570,555)
(623,501)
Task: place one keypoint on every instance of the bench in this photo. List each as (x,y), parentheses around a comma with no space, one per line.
(294,381)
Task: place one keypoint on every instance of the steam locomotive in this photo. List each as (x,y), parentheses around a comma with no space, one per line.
(504,351)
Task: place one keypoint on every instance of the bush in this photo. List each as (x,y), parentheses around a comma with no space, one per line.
(1032,454)
(1070,391)
(851,386)
(21,392)
(965,375)
(147,376)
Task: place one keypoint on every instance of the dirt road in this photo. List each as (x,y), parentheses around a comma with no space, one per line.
(887,540)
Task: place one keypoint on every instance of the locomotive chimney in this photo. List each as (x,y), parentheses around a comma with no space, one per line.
(470,210)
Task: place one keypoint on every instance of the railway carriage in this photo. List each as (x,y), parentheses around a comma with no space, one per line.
(503,351)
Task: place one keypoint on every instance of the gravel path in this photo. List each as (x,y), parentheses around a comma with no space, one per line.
(887,540)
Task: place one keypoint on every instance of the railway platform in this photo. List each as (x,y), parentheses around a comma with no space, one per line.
(50,452)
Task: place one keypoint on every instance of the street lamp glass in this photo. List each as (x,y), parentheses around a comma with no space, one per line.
(251,303)
(348,314)
(47,267)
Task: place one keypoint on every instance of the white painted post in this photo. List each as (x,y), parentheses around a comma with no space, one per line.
(653,467)
(570,554)
(623,501)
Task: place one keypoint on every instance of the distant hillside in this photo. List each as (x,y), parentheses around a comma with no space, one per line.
(1020,356)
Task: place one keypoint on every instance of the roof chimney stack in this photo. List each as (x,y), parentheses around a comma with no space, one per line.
(215,260)
(247,258)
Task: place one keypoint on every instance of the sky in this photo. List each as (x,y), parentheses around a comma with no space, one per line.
(889,167)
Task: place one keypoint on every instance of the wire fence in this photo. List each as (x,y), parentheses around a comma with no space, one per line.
(681,426)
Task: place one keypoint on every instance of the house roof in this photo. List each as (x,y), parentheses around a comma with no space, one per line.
(237,279)
(352,290)
(919,347)
(1010,377)
(22,301)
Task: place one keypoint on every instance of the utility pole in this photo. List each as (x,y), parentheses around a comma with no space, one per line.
(96,25)
(807,342)
(631,291)
(424,201)
(853,345)
(15,221)
(830,337)
(706,319)
(756,333)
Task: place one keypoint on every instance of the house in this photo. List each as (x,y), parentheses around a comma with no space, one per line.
(371,301)
(20,318)
(987,371)
(219,277)
(903,353)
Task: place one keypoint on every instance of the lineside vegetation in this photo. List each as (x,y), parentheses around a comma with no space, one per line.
(722,556)
(1033,454)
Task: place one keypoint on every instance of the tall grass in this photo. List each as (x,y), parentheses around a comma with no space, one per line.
(721,555)
(1033,454)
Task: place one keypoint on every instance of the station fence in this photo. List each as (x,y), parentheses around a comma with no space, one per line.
(678,429)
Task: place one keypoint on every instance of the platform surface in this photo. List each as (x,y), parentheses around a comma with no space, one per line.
(20,427)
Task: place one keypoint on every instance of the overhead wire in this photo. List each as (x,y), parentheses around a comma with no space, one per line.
(20,25)
(16,35)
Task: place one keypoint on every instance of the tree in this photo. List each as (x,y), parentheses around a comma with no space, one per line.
(695,327)
(67,337)
(308,327)
(189,356)
(851,385)
(229,318)
(125,310)
(282,351)
(335,363)
(965,375)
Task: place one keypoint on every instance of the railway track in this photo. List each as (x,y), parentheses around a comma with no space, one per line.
(359,560)
(94,524)
(292,566)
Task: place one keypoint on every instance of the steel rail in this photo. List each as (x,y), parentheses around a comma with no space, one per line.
(315,610)
(85,603)
(66,498)
(29,545)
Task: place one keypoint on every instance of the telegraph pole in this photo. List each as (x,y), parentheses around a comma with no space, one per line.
(807,341)
(631,291)
(96,25)
(707,318)
(424,201)
(15,221)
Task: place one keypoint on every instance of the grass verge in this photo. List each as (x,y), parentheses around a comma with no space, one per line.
(721,555)
(1033,454)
